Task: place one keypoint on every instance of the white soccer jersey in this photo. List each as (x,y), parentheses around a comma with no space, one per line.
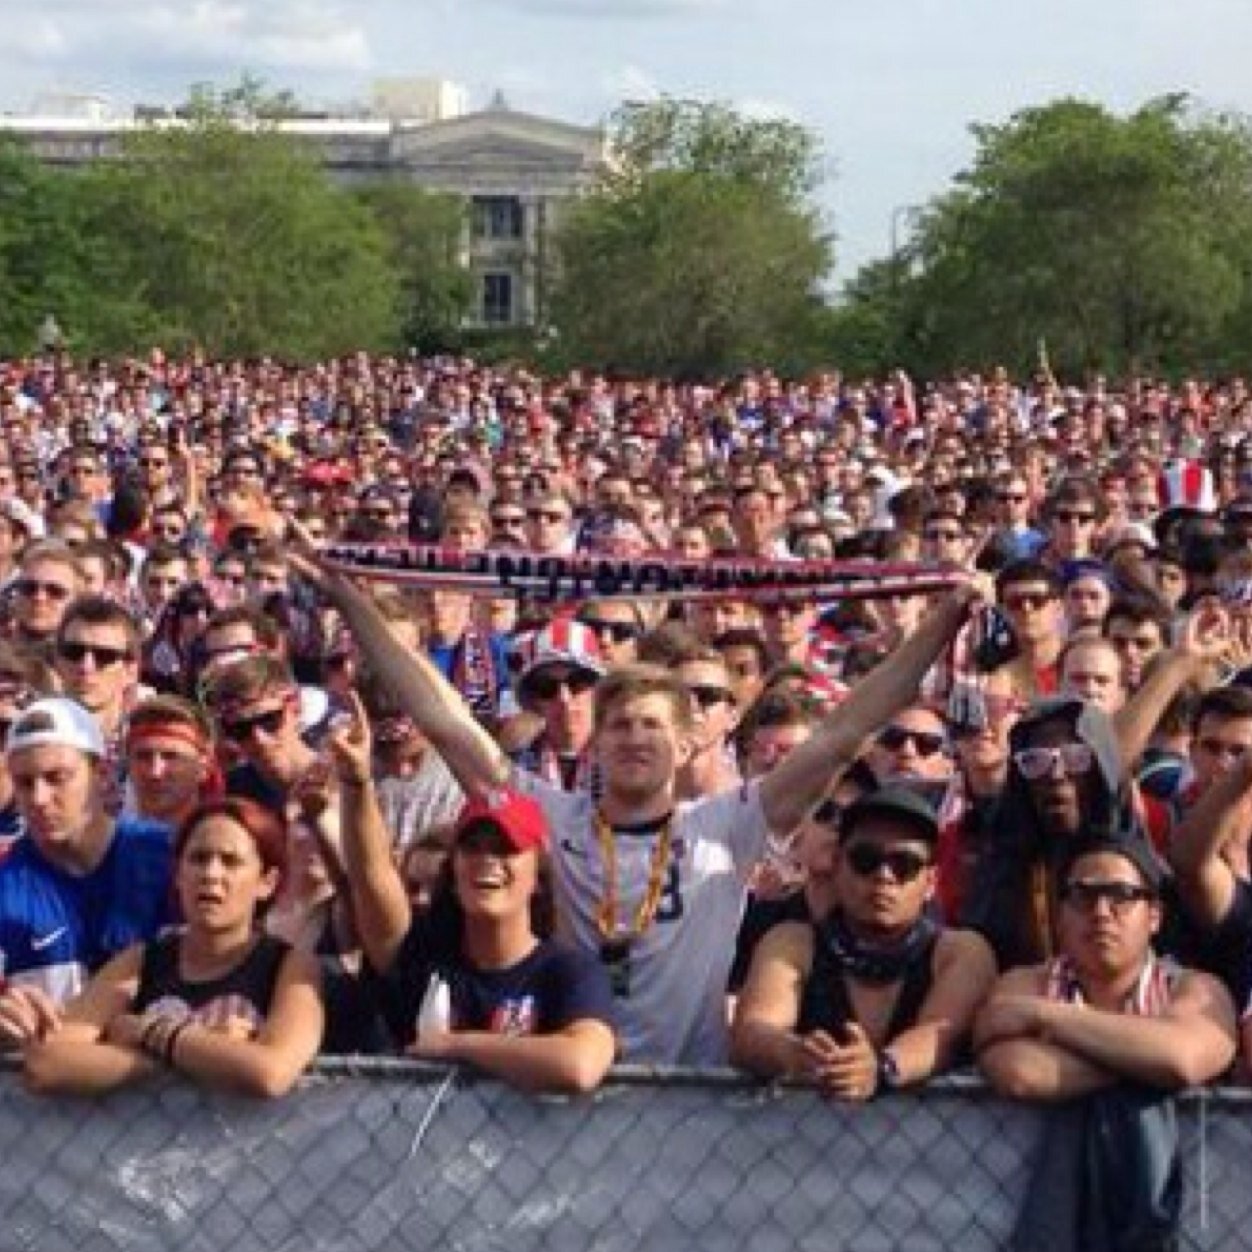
(674,1009)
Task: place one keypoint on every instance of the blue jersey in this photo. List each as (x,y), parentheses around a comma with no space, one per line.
(56,928)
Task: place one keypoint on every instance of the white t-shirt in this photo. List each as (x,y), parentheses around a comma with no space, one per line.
(675,1010)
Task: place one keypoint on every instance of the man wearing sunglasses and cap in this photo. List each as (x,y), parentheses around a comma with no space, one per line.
(557,686)
(878,996)
(79,887)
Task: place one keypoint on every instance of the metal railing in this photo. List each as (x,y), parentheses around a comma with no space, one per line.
(380,1154)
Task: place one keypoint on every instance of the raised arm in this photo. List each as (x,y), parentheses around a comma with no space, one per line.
(193,496)
(1205,882)
(419,688)
(797,783)
(1205,635)
(380,904)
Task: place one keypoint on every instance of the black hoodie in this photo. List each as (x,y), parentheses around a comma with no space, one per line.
(1011,902)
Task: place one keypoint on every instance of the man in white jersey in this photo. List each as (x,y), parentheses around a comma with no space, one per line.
(654,887)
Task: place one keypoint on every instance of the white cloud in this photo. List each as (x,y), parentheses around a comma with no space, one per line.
(135,42)
(612,9)
(43,38)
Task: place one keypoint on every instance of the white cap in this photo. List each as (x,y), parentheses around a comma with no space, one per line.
(59,721)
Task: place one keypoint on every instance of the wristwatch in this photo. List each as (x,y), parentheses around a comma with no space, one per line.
(888,1072)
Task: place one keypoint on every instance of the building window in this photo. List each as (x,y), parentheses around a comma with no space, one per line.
(497,217)
(498,299)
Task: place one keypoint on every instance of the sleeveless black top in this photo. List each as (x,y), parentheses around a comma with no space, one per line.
(826,1003)
(244,992)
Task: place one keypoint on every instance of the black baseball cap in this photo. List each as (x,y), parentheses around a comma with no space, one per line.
(896,802)
(1133,848)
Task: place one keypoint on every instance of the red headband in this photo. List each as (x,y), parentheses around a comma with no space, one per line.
(181,731)
(214,784)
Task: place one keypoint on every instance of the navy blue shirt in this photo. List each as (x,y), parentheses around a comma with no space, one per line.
(549,989)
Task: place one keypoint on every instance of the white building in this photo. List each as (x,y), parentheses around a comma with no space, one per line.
(516,170)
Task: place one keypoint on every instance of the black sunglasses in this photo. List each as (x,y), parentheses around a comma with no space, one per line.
(1086,896)
(547,686)
(927,742)
(619,632)
(866,859)
(242,729)
(31,587)
(101,654)
(244,540)
(707,695)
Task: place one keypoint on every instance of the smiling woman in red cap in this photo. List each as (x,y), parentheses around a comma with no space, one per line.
(471,981)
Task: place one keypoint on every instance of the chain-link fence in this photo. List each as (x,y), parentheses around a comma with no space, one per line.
(388,1155)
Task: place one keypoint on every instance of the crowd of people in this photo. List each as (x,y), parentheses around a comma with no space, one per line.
(253,808)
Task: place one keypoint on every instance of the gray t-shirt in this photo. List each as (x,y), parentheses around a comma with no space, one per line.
(411,806)
(674,1011)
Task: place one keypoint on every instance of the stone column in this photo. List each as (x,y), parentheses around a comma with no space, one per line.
(528,273)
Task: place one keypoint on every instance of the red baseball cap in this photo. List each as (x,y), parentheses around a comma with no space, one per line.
(519,818)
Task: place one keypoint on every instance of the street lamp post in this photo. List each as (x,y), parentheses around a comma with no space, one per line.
(902,213)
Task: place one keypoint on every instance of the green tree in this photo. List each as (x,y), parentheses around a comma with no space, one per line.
(698,253)
(230,237)
(710,137)
(250,99)
(1121,241)
(424,230)
(47,253)
(865,328)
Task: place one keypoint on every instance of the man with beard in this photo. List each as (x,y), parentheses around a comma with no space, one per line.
(1064,780)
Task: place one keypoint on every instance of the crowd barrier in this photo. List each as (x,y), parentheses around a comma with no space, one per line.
(385,1155)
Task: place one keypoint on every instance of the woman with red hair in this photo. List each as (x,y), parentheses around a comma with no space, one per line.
(219,1000)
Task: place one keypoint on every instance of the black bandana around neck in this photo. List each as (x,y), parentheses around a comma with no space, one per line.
(876,963)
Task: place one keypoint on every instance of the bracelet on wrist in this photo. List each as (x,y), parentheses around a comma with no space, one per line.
(172,1042)
(154,1036)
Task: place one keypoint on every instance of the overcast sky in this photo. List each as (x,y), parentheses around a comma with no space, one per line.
(890,87)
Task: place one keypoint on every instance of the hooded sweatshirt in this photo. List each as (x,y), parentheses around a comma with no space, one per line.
(1012,901)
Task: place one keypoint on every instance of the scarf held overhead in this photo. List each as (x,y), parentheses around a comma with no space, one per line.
(587,576)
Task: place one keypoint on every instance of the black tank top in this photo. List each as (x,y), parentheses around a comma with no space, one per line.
(827,1003)
(244,992)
